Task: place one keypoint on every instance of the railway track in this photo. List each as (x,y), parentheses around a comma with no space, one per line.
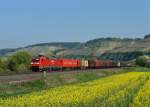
(37,75)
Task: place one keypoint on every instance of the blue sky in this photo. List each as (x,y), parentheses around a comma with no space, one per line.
(25,22)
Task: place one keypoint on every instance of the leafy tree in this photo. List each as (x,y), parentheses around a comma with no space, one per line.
(143,61)
(19,62)
(148,64)
(2,66)
(147,36)
(140,61)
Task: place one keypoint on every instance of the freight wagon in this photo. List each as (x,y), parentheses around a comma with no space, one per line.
(84,64)
(69,63)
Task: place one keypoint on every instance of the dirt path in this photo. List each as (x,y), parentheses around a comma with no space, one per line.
(20,77)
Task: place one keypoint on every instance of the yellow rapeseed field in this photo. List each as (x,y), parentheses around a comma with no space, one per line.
(123,90)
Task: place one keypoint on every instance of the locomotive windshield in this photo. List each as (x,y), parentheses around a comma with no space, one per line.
(35,60)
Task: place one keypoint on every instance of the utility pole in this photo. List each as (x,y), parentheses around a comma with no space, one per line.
(61,57)
(45,77)
(93,56)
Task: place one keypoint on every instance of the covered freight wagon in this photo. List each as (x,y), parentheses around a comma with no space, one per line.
(98,63)
(91,64)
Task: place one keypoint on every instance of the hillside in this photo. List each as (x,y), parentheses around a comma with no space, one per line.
(105,48)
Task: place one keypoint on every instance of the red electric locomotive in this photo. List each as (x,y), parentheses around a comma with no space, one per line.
(40,63)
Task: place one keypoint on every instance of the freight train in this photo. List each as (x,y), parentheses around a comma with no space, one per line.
(43,63)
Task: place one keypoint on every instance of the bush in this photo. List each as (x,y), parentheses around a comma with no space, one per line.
(2,65)
(1,70)
(147,36)
(148,64)
(19,62)
(143,61)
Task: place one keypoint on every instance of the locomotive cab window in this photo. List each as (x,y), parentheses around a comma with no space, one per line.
(35,60)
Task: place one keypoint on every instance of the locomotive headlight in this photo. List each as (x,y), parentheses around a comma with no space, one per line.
(35,63)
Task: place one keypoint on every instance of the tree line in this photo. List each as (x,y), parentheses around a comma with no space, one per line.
(17,63)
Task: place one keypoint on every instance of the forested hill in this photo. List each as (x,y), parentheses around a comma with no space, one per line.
(104,48)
